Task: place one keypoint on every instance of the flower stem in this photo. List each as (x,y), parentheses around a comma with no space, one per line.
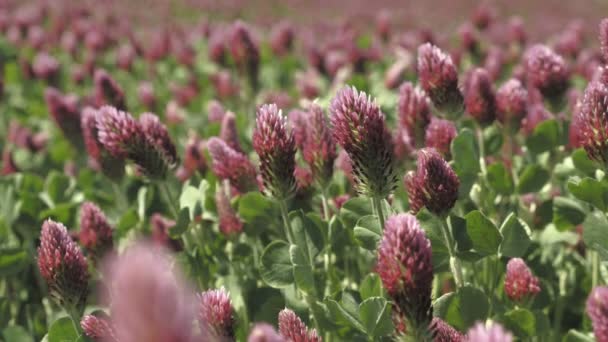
(595,268)
(164,189)
(482,153)
(121,201)
(286,223)
(377,204)
(454,262)
(325,205)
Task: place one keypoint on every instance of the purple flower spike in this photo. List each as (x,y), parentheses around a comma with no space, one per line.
(359,127)
(547,71)
(319,148)
(118,131)
(229,221)
(414,111)
(245,51)
(439,79)
(107,91)
(229,132)
(99,329)
(293,329)
(101,159)
(603,36)
(443,332)
(275,145)
(216,316)
(511,103)
(592,122)
(479,99)
(95,231)
(597,309)
(66,114)
(439,135)
(264,332)
(232,165)
(520,283)
(492,333)
(157,135)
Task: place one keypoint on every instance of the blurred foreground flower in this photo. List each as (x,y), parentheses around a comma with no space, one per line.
(264,332)
(597,309)
(493,332)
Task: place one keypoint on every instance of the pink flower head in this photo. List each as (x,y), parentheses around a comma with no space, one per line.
(520,283)
(359,127)
(319,148)
(95,231)
(46,67)
(494,62)
(245,51)
(281,38)
(443,332)
(469,38)
(264,332)
(511,103)
(492,333)
(149,301)
(232,165)
(229,221)
(216,315)
(479,99)
(125,55)
(546,71)
(107,91)
(603,36)
(592,122)
(537,113)
(516,32)
(483,16)
(414,111)
(157,135)
(145,93)
(224,84)
(275,145)
(597,309)
(298,121)
(62,266)
(98,328)
(292,328)
(406,269)
(66,114)
(439,79)
(229,132)
(215,111)
(118,131)
(101,159)
(217,46)
(433,185)
(439,135)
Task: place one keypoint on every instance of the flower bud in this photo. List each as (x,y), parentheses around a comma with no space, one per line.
(292,328)
(66,114)
(511,103)
(537,113)
(229,133)
(479,99)
(160,226)
(546,71)
(414,111)
(443,332)
(319,148)
(215,111)
(229,221)
(95,231)
(494,332)
(216,316)
(597,309)
(593,122)
(112,167)
(281,38)
(439,135)
(520,283)
(99,329)
(232,165)
(107,91)
(46,67)
(439,79)
(245,52)
(194,159)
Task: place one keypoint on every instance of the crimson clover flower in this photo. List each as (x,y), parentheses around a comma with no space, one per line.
(603,37)
(232,165)
(112,167)
(229,132)
(98,328)
(490,333)
(414,111)
(592,122)
(66,114)
(293,329)
(597,309)
(216,315)
(264,332)
(439,79)
(319,148)
(479,97)
(520,283)
(546,71)
(107,91)
(95,231)
(443,332)
(511,103)
(229,221)
(439,135)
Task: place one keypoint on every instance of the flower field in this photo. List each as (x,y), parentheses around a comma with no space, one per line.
(230,180)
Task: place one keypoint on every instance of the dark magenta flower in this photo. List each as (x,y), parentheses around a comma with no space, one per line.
(593,122)
(100,158)
(493,332)
(282,37)
(292,328)
(603,36)
(245,52)
(63,266)
(229,132)
(479,96)
(520,283)
(65,111)
(232,165)
(511,103)
(546,71)
(439,79)
(229,221)
(157,135)
(406,269)
(359,127)
(8,163)
(95,231)
(98,328)
(216,316)
(433,185)
(443,332)
(275,145)
(537,113)
(118,131)
(194,158)
(414,111)
(107,91)
(439,135)
(597,309)
(319,148)
(264,332)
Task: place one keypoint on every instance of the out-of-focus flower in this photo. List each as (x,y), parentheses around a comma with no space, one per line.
(308,84)
(298,121)
(469,39)
(66,114)
(229,133)
(597,309)
(494,62)
(160,226)
(46,67)
(275,145)
(433,185)
(593,122)
(479,97)
(149,301)
(439,79)
(406,269)
(174,113)
(112,167)
(107,91)
(537,113)
(218,48)
(439,135)
(232,165)
(23,137)
(160,46)
(493,332)
(215,111)
(125,55)
(483,16)
(263,332)
(414,112)
(603,37)
(443,332)
(229,222)
(216,316)
(98,328)
(511,103)
(395,74)
(8,163)
(145,93)
(383,24)
(546,71)
(62,266)
(194,158)
(570,41)
(157,135)
(293,329)
(359,127)
(319,148)
(516,31)
(245,51)
(520,283)
(225,86)
(281,38)
(95,231)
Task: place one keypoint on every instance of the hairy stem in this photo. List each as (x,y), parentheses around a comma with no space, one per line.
(286,223)
(377,204)
(454,262)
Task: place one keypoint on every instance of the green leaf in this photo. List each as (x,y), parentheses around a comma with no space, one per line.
(375,315)
(595,231)
(264,303)
(181,225)
(371,286)
(353,210)
(463,308)
(591,191)
(16,333)
(484,235)
(492,139)
(582,162)
(368,232)
(302,270)
(499,179)
(545,137)
(306,233)
(522,322)
(466,160)
(459,232)
(62,330)
(276,268)
(127,221)
(567,213)
(432,227)
(56,186)
(191,199)
(340,313)
(532,179)
(577,336)
(12,261)
(255,207)
(515,240)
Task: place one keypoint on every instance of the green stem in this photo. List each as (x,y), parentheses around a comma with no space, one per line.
(164,188)
(325,205)
(121,201)
(595,268)
(75,317)
(286,223)
(377,204)
(454,262)
(482,153)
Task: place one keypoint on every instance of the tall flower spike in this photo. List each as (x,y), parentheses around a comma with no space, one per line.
(520,283)
(406,269)
(66,114)
(439,135)
(491,333)
(593,122)
(112,167)
(229,221)
(511,103)
(245,52)
(359,127)
(603,36)
(275,145)
(293,329)
(434,185)
(264,332)
(62,266)
(229,133)
(479,99)
(156,134)
(414,111)
(439,78)
(597,309)
(319,148)
(443,332)
(216,316)
(107,91)
(99,329)
(194,159)
(232,165)
(546,71)
(95,231)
